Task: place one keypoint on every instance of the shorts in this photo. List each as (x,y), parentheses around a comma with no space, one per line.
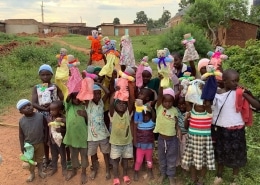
(124,151)
(104,146)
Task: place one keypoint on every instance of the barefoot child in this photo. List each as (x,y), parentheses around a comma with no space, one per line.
(42,95)
(76,135)
(121,137)
(97,131)
(169,131)
(31,130)
(56,115)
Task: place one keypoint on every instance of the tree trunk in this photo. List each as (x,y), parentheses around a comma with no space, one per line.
(214,38)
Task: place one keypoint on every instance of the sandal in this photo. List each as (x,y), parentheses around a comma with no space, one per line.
(127,180)
(116,181)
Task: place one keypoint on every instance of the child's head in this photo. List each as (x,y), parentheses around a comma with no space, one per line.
(120,106)
(168,98)
(146,95)
(56,108)
(25,107)
(97,93)
(147,75)
(202,65)
(181,104)
(45,73)
(147,116)
(74,99)
(230,79)
(177,60)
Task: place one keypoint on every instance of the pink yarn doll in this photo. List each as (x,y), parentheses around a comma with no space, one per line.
(123,94)
(217,57)
(190,53)
(139,71)
(127,57)
(75,78)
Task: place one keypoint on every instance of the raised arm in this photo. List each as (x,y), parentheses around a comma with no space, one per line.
(160,97)
(111,105)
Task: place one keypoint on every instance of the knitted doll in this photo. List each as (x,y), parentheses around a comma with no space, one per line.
(164,62)
(127,54)
(89,72)
(190,53)
(185,82)
(75,78)
(62,72)
(139,108)
(210,88)
(56,135)
(96,47)
(217,57)
(27,156)
(45,93)
(194,92)
(123,94)
(112,57)
(139,71)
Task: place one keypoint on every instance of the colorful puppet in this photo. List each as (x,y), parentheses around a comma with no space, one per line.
(127,54)
(96,48)
(190,53)
(57,137)
(217,57)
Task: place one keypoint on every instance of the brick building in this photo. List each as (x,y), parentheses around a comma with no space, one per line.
(237,33)
(110,29)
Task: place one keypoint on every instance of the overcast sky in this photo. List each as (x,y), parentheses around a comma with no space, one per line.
(91,12)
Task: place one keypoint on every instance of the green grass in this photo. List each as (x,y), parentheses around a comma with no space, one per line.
(6,38)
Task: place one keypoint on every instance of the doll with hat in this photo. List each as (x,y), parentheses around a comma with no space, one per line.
(185,82)
(112,57)
(190,53)
(122,83)
(75,77)
(62,71)
(163,62)
(95,53)
(127,54)
(90,72)
(56,135)
(139,77)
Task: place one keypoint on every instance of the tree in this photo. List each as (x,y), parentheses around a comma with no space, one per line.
(116,21)
(141,18)
(209,14)
(150,24)
(165,17)
(255,14)
(184,3)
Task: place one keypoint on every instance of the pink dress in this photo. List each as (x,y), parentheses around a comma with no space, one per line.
(86,90)
(123,93)
(74,81)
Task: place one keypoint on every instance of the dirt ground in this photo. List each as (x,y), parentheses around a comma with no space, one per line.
(11,172)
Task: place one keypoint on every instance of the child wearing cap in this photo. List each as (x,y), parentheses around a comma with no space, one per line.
(169,132)
(42,96)
(32,131)
(97,131)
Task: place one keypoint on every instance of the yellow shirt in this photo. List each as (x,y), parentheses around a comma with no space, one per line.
(165,121)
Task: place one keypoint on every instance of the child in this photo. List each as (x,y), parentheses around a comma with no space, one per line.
(31,130)
(145,142)
(97,131)
(169,131)
(230,146)
(76,135)
(121,137)
(199,153)
(56,114)
(42,95)
(181,115)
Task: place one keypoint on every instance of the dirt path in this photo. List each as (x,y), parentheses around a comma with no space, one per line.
(11,172)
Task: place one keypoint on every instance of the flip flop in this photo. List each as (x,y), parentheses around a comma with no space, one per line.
(116,181)
(127,180)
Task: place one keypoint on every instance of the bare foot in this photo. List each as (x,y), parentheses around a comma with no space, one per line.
(42,175)
(93,174)
(108,175)
(52,172)
(71,174)
(64,173)
(83,178)
(31,177)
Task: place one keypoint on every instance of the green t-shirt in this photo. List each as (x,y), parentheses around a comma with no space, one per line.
(165,121)
(76,128)
(120,132)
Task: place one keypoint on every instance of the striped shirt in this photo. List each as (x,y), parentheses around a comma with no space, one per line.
(200,123)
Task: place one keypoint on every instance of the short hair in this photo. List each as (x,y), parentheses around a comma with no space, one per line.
(228,72)
(59,104)
(149,92)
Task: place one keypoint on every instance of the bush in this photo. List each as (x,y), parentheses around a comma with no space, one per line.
(172,39)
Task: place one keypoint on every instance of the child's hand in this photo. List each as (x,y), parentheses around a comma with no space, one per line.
(179,134)
(82,113)
(58,119)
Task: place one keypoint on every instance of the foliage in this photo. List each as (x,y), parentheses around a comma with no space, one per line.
(141,18)
(116,21)
(172,39)
(254,15)
(209,14)
(165,17)
(185,3)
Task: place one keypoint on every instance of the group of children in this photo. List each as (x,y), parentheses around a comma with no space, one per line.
(105,119)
